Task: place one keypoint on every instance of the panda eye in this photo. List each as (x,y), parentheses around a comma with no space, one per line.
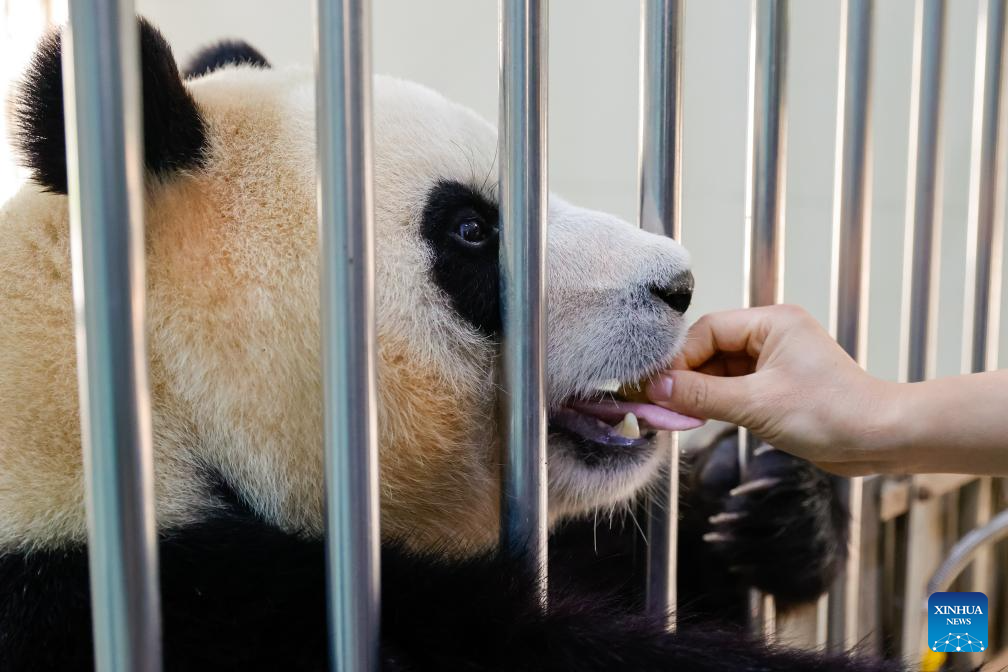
(460,228)
(472,230)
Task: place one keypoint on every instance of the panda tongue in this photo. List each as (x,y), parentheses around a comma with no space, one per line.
(656,417)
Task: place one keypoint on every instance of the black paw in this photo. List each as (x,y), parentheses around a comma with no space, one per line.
(782,529)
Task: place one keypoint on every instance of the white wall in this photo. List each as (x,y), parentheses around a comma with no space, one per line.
(452,46)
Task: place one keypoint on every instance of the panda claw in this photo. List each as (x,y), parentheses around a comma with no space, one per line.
(717,538)
(727,517)
(754,486)
(763,449)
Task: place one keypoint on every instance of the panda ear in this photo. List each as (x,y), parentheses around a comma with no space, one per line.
(174,130)
(222,55)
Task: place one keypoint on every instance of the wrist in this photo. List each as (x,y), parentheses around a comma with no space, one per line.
(889,421)
(909,425)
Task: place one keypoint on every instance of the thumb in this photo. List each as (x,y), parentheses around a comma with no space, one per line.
(703,396)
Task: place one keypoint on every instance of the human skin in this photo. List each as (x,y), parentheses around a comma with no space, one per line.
(776,371)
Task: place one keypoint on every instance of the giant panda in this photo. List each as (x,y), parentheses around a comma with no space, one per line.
(233,345)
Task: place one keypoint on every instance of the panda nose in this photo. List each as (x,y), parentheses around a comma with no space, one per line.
(676,294)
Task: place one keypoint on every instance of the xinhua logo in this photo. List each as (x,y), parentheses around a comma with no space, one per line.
(957,622)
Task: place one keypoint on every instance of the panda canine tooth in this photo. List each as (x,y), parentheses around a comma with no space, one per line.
(628,427)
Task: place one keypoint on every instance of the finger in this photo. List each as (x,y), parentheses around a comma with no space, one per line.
(728,364)
(702,396)
(732,331)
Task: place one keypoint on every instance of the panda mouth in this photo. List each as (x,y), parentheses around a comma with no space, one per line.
(619,418)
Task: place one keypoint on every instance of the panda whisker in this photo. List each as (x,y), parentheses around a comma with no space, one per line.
(468,153)
(633,517)
(595,532)
(490,170)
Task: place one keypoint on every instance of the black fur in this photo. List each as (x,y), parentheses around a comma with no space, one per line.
(238,594)
(174,131)
(790,539)
(467,274)
(223,54)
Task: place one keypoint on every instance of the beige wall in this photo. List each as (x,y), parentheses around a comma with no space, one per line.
(452,46)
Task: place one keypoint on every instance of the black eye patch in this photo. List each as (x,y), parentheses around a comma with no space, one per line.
(461,226)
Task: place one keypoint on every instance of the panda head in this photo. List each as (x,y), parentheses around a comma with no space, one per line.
(233,312)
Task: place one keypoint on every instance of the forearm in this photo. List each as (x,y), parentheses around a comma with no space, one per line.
(951,425)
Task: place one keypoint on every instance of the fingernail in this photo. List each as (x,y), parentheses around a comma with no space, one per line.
(660,389)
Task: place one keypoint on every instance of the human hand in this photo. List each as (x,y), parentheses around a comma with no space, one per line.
(776,371)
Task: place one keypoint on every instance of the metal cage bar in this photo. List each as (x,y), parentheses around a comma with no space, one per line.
(523,209)
(985,220)
(105,171)
(964,552)
(766,151)
(765,183)
(923,208)
(985,227)
(918,325)
(659,191)
(850,271)
(346,232)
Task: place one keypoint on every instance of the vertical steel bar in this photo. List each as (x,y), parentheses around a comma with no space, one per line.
(767,148)
(345,202)
(523,208)
(923,224)
(106,182)
(924,530)
(920,276)
(987,195)
(659,190)
(985,231)
(871,570)
(850,271)
(765,184)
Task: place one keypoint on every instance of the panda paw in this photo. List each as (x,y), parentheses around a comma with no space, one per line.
(782,529)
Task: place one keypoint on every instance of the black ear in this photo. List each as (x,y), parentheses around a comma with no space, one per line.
(223,54)
(174,130)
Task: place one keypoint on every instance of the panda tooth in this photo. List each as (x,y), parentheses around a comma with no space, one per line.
(629,427)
